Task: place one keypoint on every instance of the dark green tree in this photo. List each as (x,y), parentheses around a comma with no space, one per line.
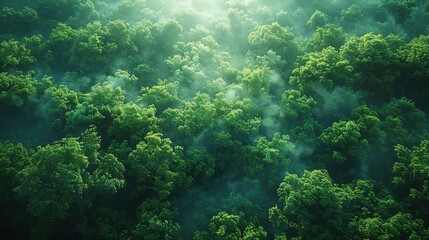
(411,177)
(157,167)
(66,175)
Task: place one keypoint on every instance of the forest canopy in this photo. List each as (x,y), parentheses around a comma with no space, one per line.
(253,119)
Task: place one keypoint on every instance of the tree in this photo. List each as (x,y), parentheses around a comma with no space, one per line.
(13,159)
(297,110)
(411,177)
(374,60)
(313,207)
(238,26)
(106,222)
(240,117)
(310,206)
(327,36)
(351,16)
(85,13)
(399,226)
(229,226)
(276,38)
(325,68)
(99,107)
(275,157)
(168,34)
(225,226)
(90,48)
(162,96)
(404,121)
(13,217)
(343,148)
(65,175)
(55,103)
(15,90)
(413,56)
(119,34)
(48,10)
(36,45)
(128,82)
(14,56)
(200,165)
(142,35)
(399,9)
(197,115)
(18,21)
(155,220)
(296,106)
(157,167)
(369,123)
(270,61)
(318,19)
(60,43)
(132,123)
(256,81)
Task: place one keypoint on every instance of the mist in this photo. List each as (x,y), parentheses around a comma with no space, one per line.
(145,119)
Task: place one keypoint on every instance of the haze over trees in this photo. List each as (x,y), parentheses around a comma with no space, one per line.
(253,119)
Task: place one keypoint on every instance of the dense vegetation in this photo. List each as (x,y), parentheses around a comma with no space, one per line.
(253,119)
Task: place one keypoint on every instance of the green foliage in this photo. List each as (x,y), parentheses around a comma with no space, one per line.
(169,34)
(66,175)
(157,166)
(60,174)
(162,96)
(132,123)
(310,205)
(399,9)
(197,115)
(13,159)
(14,56)
(404,121)
(239,117)
(411,176)
(313,207)
(15,90)
(54,179)
(256,81)
(351,15)
(414,54)
(89,47)
(18,21)
(318,19)
(201,165)
(296,106)
(399,226)
(374,60)
(146,119)
(325,68)
(327,36)
(368,122)
(275,156)
(60,42)
(276,38)
(342,134)
(36,45)
(298,113)
(225,226)
(98,108)
(142,35)
(344,147)
(57,101)
(155,219)
(229,226)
